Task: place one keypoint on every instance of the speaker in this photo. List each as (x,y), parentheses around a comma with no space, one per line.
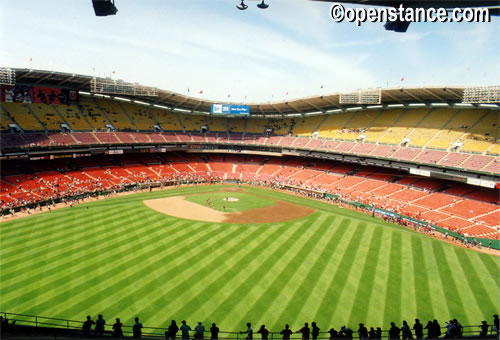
(103,8)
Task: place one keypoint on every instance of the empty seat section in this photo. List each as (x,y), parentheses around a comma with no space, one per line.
(72,116)
(192,122)
(236,125)
(455,129)
(141,116)
(404,126)
(306,126)
(381,124)
(333,124)
(167,119)
(430,126)
(256,125)
(115,114)
(357,126)
(22,116)
(483,134)
(93,114)
(47,116)
(4,120)
(217,124)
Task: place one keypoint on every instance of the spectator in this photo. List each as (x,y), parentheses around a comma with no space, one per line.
(305,332)
(137,329)
(372,334)
(315,331)
(436,329)
(172,330)
(264,332)
(117,329)
(199,331)
(362,331)
(286,332)
(214,332)
(451,330)
(496,324)
(346,332)
(418,328)
(99,325)
(333,333)
(379,333)
(430,330)
(460,329)
(185,330)
(249,332)
(394,332)
(484,329)
(406,331)
(87,325)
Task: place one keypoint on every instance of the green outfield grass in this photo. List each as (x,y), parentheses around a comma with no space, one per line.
(119,258)
(217,201)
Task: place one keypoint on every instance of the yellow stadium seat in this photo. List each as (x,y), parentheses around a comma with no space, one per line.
(357,126)
(192,122)
(4,120)
(46,114)
(256,125)
(140,115)
(381,124)
(168,120)
(115,114)
(72,116)
(479,138)
(333,124)
(236,125)
(23,116)
(92,113)
(306,126)
(430,126)
(405,124)
(217,124)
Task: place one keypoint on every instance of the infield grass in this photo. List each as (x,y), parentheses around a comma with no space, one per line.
(217,200)
(119,258)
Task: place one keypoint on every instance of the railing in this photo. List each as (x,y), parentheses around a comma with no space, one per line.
(157,332)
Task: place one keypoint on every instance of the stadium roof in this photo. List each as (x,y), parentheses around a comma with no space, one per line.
(327,103)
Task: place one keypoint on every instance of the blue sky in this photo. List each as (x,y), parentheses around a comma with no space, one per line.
(211,46)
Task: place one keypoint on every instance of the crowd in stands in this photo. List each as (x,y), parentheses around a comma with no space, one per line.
(432,330)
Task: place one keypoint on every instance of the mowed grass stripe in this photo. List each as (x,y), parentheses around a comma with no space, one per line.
(62,249)
(454,300)
(491,263)
(408,289)
(61,232)
(481,296)
(344,259)
(290,275)
(190,302)
(392,311)
(353,279)
(94,248)
(311,271)
(363,294)
(183,272)
(24,294)
(425,308)
(263,277)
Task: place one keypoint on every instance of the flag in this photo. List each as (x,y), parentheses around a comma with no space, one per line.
(189,90)
(403,78)
(229,95)
(286,93)
(201,91)
(31,60)
(245,97)
(321,86)
(113,72)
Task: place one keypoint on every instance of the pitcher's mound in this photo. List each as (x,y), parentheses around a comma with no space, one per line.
(179,207)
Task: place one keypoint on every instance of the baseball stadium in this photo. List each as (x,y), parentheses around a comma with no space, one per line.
(347,209)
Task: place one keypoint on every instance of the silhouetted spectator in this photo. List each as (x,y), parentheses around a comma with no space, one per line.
(451,330)
(5,326)
(406,331)
(496,324)
(346,332)
(199,331)
(333,333)
(372,334)
(315,331)
(117,329)
(362,331)
(99,325)
(460,329)
(137,329)
(172,330)
(394,331)
(264,332)
(185,330)
(430,330)
(379,333)
(286,332)
(436,329)
(419,329)
(214,332)
(249,331)
(484,329)
(87,325)
(305,332)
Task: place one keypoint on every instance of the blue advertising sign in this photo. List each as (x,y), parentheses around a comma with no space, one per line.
(230,109)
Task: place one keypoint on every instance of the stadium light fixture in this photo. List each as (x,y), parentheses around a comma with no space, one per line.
(242,6)
(263,5)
